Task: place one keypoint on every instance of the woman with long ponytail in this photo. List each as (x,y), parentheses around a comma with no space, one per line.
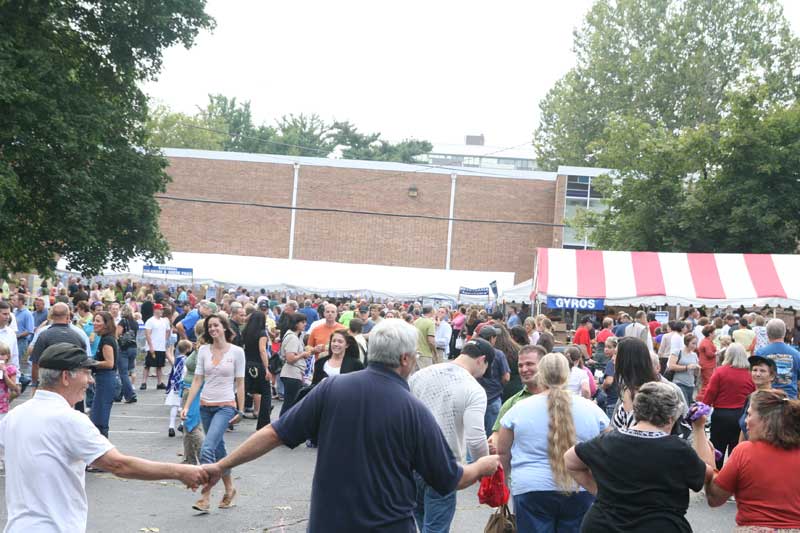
(533,438)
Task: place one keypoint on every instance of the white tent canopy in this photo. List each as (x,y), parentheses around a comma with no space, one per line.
(521,292)
(319,277)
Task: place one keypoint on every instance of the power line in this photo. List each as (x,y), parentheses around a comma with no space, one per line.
(356,212)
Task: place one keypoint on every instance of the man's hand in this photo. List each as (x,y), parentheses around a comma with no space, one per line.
(236,418)
(192,476)
(488,464)
(184,413)
(214,473)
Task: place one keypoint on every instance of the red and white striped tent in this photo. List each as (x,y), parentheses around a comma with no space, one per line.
(655,278)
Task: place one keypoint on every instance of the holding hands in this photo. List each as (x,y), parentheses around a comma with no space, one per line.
(191,476)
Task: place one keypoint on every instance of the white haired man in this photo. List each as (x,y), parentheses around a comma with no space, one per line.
(387,432)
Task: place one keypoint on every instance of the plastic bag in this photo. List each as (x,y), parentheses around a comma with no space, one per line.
(493,490)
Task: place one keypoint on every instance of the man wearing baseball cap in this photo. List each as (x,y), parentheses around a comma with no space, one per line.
(156,332)
(47,445)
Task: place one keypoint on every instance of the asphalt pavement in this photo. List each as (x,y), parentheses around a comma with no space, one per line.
(273,491)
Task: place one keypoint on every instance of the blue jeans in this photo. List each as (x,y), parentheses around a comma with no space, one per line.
(105,383)
(434,512)
(215,423)
(22,346)
(549,511)
(492,410)
(126,363)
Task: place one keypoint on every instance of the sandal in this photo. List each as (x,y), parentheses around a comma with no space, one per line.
(202,506)
(227,500)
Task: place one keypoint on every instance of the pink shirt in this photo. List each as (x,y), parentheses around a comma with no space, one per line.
(5,395)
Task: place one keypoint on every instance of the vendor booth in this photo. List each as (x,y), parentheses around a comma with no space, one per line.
(307,277)
(594,279)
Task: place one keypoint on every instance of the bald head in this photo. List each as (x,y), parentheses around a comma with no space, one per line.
(59,313)
(330,313)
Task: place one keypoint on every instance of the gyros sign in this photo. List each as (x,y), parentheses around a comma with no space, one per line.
(563,302)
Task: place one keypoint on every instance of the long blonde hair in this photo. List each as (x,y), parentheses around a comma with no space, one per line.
(553,374)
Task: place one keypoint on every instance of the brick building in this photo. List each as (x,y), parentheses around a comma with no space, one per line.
(466,219)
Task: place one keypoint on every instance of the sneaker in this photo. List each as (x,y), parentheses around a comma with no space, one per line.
(143,387)
(132,400)
(180,428)
(171,432)
(161,386)
(118,400)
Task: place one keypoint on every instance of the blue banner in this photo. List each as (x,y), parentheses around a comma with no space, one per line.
(165,270)
(586,304)
(474,292)
(493,286)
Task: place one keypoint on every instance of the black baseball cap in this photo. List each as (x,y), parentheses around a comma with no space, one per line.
(761,360)
(477,347)
(65,356)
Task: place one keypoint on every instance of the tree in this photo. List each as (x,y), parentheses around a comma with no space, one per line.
(668,63)
(224,124)
(728,188)
(77,177)
(371,147)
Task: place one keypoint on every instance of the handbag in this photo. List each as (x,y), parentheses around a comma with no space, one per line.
(459,342)
(501,521)
(670,374)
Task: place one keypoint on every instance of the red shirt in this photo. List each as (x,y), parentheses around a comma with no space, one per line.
(764,480)
(653,324)
(603,334)
(707,354)
(582,338)
(729,387)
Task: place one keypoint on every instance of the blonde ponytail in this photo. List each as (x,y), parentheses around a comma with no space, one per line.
(553,374)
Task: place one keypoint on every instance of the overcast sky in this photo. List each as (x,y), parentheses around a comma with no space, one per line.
(434,70)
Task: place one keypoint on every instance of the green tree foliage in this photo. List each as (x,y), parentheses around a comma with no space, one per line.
(734,187)
(667,63)
(77,178)
(371,147)
(224,124)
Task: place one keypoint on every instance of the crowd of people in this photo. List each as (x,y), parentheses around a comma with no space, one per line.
(608,429)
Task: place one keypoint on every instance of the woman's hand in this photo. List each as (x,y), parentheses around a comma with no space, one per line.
(236,418)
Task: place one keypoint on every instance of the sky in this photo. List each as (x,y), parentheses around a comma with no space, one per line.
(435,70)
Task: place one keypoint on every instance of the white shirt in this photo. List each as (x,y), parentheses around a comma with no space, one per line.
(46,445)
(331,370)
(159,330)
(8,336)
(458,404)
(443,333)
(219,380)
(577,377)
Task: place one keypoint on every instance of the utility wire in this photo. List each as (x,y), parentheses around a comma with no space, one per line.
(356,212)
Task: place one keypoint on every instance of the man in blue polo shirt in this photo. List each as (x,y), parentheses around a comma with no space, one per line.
(186,326)
(372,436)
(787,359)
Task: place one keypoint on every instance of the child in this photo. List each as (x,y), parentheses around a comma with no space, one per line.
(8,380)
(175,383)
(193,434)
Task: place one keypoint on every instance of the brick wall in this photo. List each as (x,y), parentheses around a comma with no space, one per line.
(359,238)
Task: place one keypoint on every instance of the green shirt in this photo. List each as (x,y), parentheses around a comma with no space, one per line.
(508,404)
(346,317)
(425,328)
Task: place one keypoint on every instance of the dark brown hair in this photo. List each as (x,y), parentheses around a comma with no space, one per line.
(229,334)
